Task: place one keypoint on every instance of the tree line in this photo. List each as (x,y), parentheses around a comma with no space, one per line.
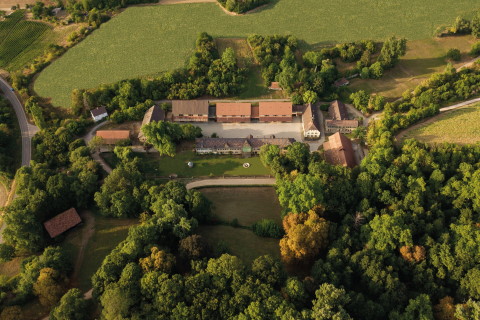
(7,139)
(241,6)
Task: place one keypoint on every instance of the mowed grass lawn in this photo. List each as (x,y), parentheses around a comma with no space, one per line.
(205,165)
(21,40)
(151,39)
(460,126)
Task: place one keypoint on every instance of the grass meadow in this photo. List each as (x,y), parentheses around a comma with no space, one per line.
(150,39)
(242,243)
(21,40)
(423,58)
(460,126)
(108,234)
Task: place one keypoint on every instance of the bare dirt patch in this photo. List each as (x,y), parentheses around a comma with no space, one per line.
(3,195)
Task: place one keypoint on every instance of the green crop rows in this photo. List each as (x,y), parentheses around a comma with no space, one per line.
(18,36)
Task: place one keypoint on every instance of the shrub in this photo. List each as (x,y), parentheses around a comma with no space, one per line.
(475,49)
(454,55)
(267,228)
(6,252)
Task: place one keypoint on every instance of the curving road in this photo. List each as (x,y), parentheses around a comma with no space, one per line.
(27,130)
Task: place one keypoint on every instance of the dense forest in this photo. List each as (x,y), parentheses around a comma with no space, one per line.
(395,238)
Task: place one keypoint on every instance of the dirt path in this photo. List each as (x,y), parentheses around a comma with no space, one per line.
(87,232)
(3,194)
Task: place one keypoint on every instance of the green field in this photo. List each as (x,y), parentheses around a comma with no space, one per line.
(240,242)
(246,204)
(156,166)
(21,40)
(460,126)
(107,234)
(150,39)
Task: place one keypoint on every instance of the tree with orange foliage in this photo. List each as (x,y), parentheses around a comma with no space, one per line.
(413,253)
(50,286)
(159,260)
(306,234)
(445,309)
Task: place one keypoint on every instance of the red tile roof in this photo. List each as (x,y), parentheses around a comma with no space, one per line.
(275,109)
(234,109)
(338,150)
(112,136)
(62,222)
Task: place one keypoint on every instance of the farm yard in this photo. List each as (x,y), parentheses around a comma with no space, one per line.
(21,40)
(150,39)
(461,126)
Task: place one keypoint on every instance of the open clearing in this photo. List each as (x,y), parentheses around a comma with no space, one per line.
(460,126)
(204,166)
(147,40)
(107,235)
(247,204)
(423,58)
(241,242)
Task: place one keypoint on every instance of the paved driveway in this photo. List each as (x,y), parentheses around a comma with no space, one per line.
(258,130)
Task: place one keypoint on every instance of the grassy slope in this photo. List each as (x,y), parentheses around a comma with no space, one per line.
(21,41)
(148,40)
(203,165)
(423,58)
(460,126)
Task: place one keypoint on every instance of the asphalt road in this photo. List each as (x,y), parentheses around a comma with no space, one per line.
(27,130)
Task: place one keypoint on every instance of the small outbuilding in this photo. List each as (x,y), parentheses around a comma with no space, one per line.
(99,113)
(62,222)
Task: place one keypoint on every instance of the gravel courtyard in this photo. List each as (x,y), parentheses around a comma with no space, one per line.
(259,130)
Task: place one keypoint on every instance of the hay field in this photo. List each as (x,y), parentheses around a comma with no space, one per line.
(150,39)
(461,126)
